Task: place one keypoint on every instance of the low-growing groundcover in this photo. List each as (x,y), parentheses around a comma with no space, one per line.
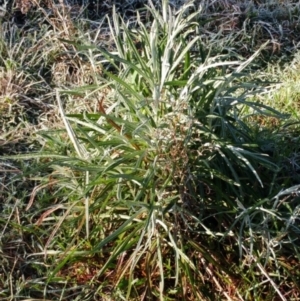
(170,178)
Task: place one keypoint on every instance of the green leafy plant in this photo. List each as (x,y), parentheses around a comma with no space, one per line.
(163,192)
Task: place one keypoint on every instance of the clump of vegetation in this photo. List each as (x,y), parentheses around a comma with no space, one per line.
(151,159)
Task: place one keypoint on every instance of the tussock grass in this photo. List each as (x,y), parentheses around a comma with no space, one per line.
(150,156)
